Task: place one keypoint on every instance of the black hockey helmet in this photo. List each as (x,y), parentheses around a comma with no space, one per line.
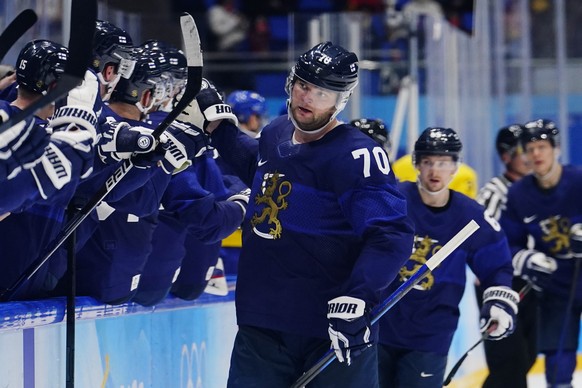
(146,75)
(375,128)
(540,129)
(508,138)
(437,141)
(39,64)
(110,45)
(178,65)
(328,66)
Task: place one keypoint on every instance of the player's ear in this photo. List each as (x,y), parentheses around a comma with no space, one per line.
(108,73)
(146,98)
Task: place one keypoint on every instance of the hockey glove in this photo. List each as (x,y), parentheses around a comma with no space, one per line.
(208,106)
(120,141)
(21,147)
(68,158)
(349,329)
(242,199)
(183,143)
(86,94)
(534,267)
(499,311)
(576,240)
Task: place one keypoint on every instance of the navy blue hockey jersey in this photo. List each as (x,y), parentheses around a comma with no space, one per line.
(547,216)
(325,219)
(426,318)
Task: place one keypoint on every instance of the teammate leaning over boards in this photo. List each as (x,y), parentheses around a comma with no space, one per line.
(546,206)
(112,52)
(416,334)
(325,229)
(38,196)
(195,206)
(120,231)
(510,359)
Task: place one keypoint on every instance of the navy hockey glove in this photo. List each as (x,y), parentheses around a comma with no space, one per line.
(183,143)
(535,267)
(207,107)
(68,157)
(242,199)
(21,147)
(576,241)
(499,312)
(349,329)
(120,141)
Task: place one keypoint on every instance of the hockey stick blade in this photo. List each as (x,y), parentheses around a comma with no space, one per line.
(83,14)
(15,30)
(404,288)
(194,60)
(522,293)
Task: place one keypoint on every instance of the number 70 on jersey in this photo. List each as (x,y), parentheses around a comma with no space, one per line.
(379,156)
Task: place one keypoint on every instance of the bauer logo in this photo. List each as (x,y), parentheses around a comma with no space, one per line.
(117,175)
(144,142)
(192,363)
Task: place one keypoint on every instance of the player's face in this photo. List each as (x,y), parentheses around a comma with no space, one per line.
(436,171)
(311,106)
(541,155)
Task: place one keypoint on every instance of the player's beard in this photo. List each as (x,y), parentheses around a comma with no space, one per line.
(310,122)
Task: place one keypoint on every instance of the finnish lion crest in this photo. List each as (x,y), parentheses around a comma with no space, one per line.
(273,197)
(557,231)
(423,246)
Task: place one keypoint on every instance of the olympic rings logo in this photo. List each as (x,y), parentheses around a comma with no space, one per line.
(190,357)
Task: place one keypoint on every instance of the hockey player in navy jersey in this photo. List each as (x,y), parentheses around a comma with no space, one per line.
(112,55)
(546,206)
(325,232)
(510,359)
(415,335)
(196,207)
(37,196)
(116,241)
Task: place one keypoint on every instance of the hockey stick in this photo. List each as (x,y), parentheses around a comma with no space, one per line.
(569,306)
(404,288)
(71,305)
(194,60)
(83,14)
(15,30)
(522,293)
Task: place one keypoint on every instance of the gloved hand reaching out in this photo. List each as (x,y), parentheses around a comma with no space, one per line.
(499,311)
(350,329)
